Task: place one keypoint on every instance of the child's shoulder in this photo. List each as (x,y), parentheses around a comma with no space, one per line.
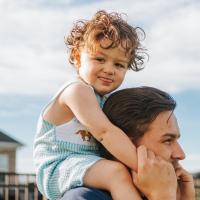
(75,88)
(77,85)
(73,84)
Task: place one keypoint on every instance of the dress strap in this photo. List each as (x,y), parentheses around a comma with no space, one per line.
(65,85)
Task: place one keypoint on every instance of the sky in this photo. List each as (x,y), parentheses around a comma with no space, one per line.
(33,61)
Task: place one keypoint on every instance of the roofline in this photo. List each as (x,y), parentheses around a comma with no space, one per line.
(9,145)
(15,141)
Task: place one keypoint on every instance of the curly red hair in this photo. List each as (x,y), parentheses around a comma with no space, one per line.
(110,26)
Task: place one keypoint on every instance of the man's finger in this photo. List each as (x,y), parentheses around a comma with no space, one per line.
(142,156)
(134,176)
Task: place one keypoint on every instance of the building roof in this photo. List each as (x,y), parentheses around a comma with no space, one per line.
(5,138)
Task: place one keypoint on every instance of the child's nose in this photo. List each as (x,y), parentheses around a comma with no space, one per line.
(109,69)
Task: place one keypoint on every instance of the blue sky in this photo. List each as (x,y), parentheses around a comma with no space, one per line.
(34,64)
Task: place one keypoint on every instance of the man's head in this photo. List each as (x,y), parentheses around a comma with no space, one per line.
(146,115)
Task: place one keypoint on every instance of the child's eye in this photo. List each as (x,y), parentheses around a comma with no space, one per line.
(101,60)
(119,65)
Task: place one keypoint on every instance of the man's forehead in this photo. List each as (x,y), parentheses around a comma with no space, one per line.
(165,125)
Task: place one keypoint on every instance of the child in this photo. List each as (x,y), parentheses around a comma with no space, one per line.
(66,152)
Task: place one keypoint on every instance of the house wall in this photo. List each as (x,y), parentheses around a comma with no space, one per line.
(11,159)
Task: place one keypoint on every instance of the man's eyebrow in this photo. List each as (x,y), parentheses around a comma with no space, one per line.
(172,135)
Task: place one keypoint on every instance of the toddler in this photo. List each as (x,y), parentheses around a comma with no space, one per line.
(66,153)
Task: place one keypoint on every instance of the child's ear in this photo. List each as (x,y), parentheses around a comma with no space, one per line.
(77,58)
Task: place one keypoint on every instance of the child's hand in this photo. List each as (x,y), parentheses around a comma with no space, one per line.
(156,178)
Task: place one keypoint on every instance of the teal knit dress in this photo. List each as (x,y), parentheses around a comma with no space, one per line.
(63,154)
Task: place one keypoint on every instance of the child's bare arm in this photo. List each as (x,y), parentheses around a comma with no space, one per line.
(83,103)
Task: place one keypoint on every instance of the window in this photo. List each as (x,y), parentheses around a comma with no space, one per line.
(3,163)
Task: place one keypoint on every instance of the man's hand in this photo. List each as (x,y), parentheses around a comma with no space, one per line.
(155,178)
(186,189)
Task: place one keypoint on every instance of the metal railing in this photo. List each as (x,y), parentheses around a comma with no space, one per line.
(197,188)
(15,186)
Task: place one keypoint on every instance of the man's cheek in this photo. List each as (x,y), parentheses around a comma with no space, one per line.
(164,153)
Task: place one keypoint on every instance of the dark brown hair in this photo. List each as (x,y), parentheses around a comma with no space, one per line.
(134,109)
(107,26)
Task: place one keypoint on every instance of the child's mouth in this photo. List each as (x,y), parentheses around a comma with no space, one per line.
(106,80)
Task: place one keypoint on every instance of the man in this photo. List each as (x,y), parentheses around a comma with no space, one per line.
(146,115)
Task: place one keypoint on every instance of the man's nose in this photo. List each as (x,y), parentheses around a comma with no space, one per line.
(178,152)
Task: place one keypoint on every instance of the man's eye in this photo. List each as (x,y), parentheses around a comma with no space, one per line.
(168,142)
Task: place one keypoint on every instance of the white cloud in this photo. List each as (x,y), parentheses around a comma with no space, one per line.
(173,45)
(33,55)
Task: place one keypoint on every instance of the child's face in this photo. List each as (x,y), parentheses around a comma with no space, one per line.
(103,69)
